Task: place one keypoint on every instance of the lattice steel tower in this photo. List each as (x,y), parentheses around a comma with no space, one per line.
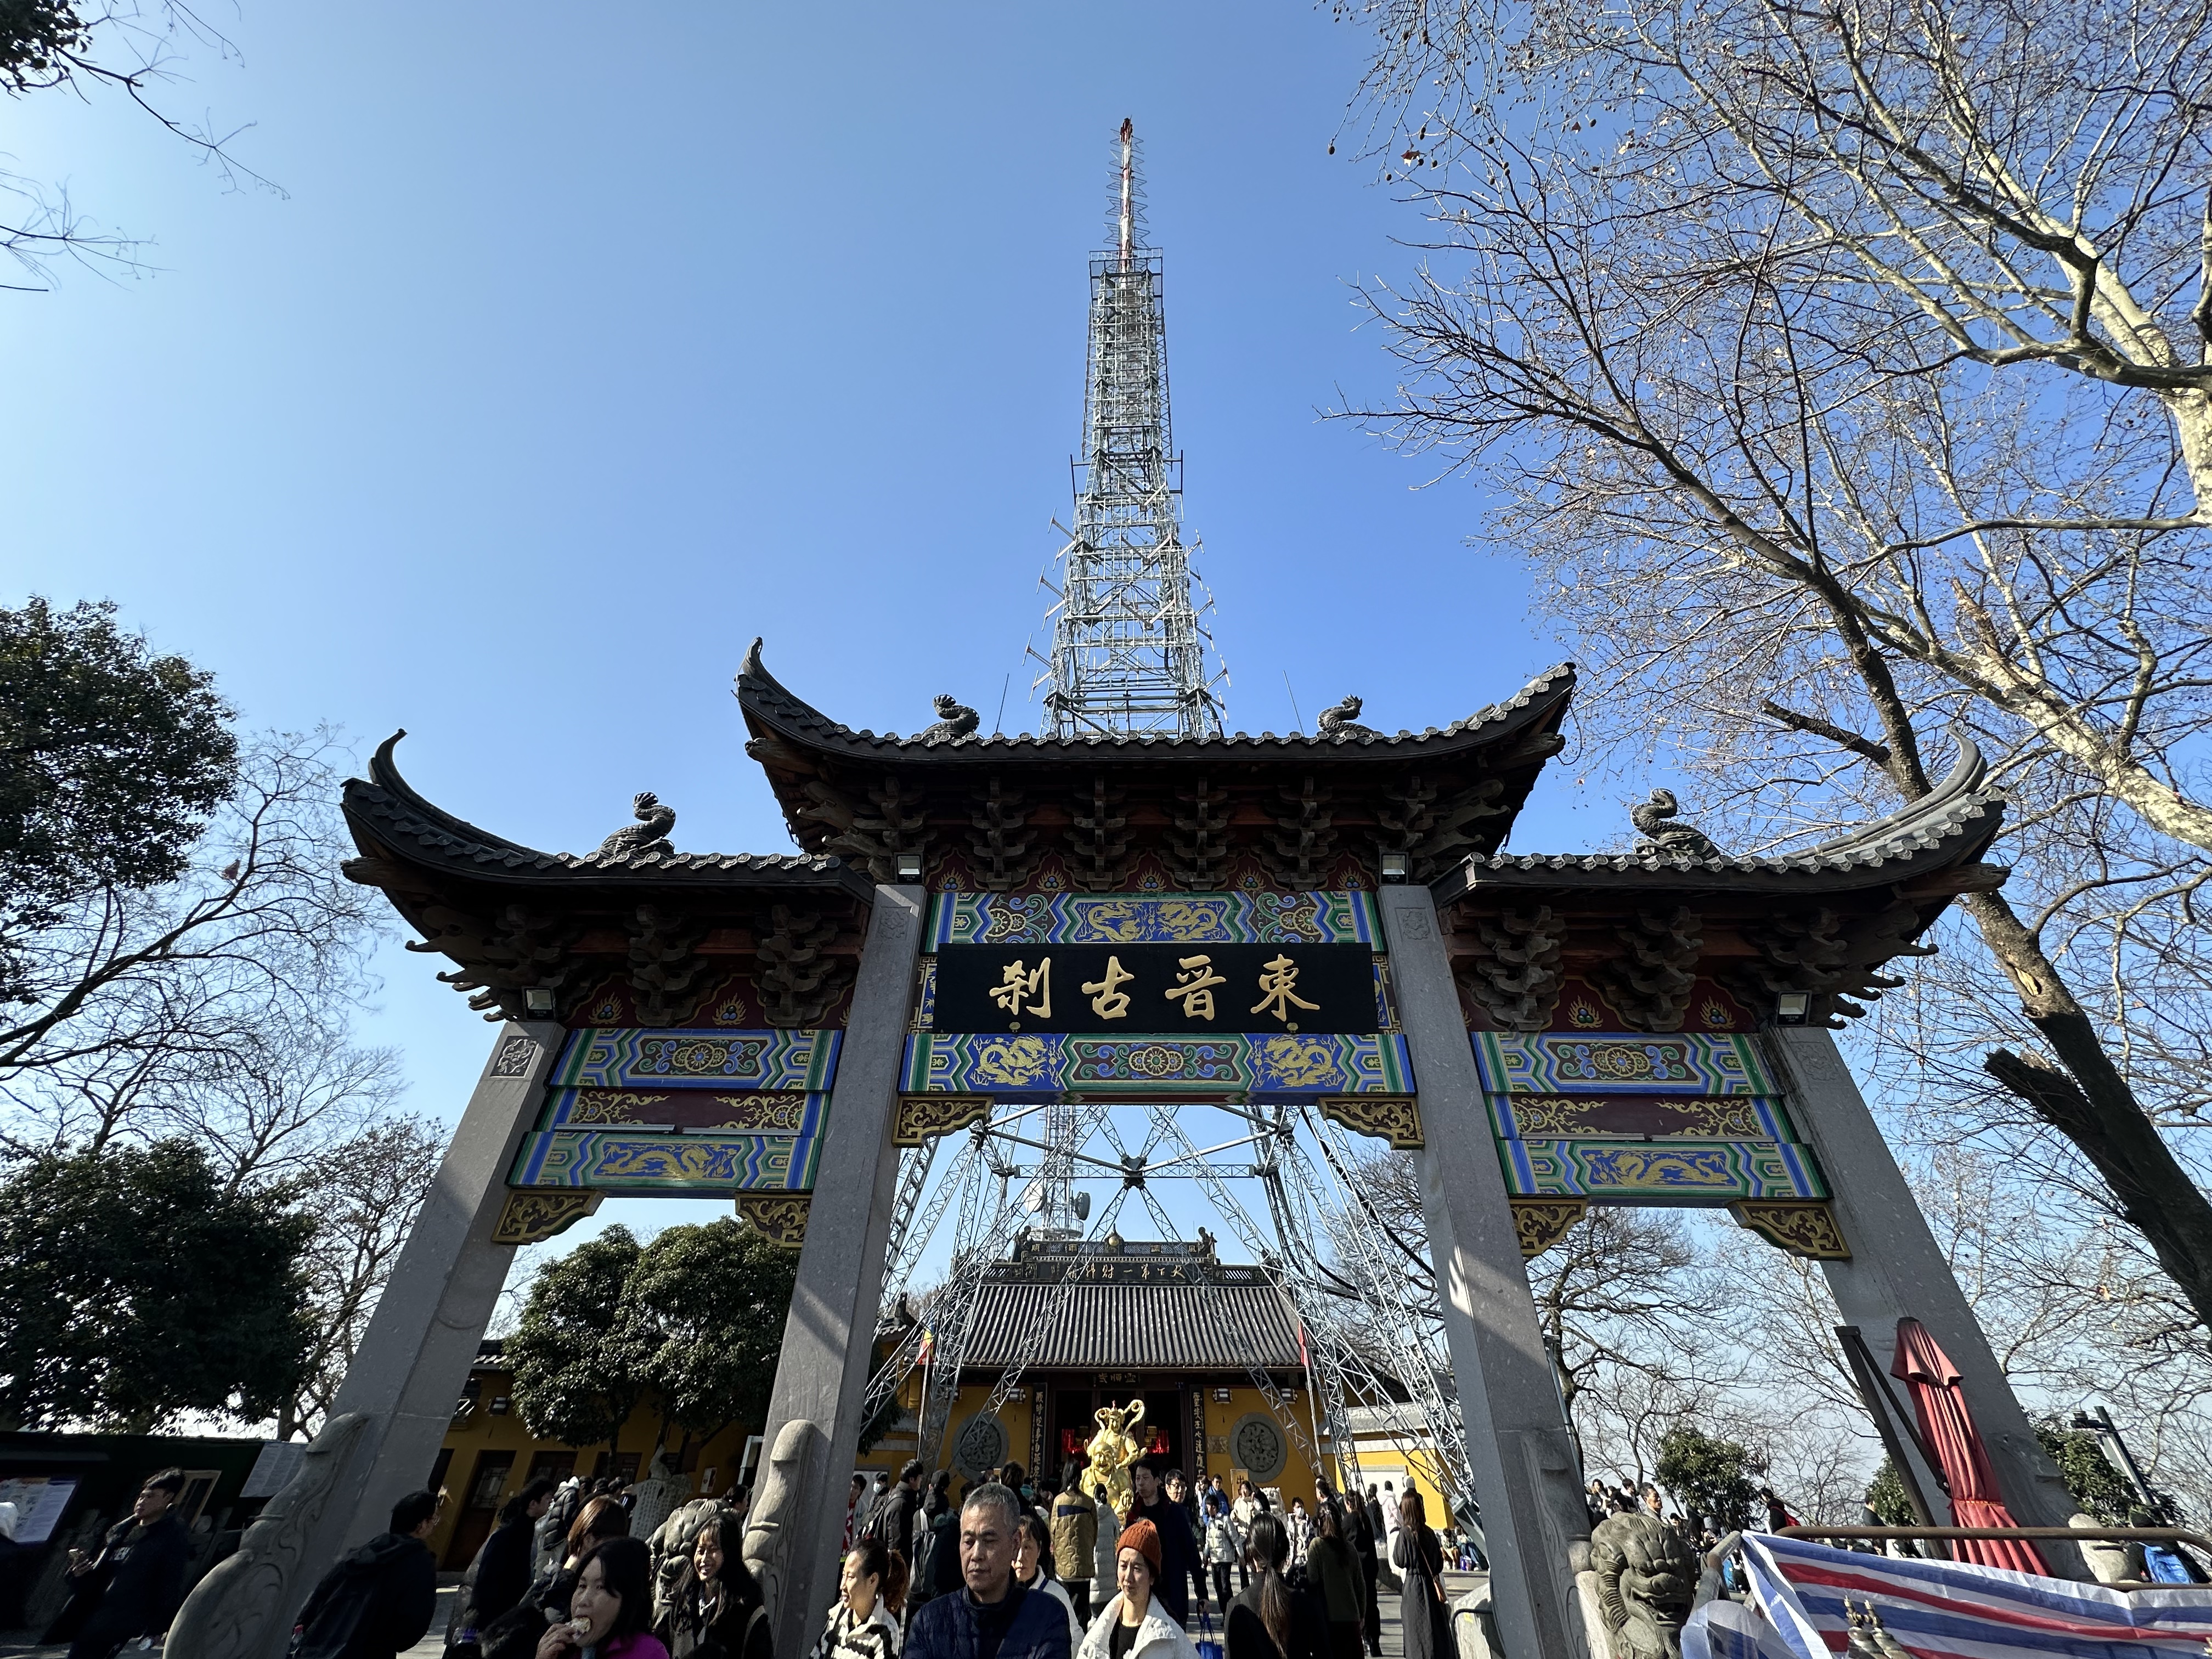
(1129,651)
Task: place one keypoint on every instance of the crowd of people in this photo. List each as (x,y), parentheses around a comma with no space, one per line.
(1025,1569)
(1011,1566)
(1611,1498)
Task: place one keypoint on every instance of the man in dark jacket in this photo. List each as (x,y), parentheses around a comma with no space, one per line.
(1179,1563)
(991,1617)
(894,1521)
(133,1586)
(379,1601)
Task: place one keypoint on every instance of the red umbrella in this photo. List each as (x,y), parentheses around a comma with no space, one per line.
(1950,1437)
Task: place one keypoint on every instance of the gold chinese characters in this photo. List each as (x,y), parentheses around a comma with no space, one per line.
(1019,984)
(1279,992)
(1108,1000)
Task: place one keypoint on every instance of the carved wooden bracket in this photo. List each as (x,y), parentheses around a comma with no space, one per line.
(665,965)
(1002,845)
(898,825)
(501,958)
(781,1218)
(1100,847)
(1801,1227)
(534,1214)
(1436,837)
(1516,979)
(1651,984)
(1299,851)
(797,977)
(1818,953)
(921,1118)
(1200,845)
(1393,1118)
(1540,1222)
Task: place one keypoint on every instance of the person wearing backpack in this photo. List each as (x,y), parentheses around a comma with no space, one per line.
(379,1598)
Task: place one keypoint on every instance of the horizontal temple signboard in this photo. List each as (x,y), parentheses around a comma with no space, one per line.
(1118,988)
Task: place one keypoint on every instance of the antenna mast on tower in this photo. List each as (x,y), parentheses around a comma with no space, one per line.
(1128,653)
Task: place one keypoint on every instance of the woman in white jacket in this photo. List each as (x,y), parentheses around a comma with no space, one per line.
(1132,1625)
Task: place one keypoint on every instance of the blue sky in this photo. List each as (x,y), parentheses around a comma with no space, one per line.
(577,352)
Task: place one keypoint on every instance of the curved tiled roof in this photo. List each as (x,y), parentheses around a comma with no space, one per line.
(1952,824)
(1535,705)
(1162,1326)
(386,808)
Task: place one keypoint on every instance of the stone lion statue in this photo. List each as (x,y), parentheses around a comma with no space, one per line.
(1112,1451)
(1647,1577)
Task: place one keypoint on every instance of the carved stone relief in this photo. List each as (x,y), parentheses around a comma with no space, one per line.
(1647,1576)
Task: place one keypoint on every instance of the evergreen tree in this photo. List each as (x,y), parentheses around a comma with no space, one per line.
(1709,1478)
(136,1285)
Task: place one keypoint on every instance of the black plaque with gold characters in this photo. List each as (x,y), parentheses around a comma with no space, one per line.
(1155,988)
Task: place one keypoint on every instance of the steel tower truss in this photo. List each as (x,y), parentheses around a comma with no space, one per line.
(1128,648)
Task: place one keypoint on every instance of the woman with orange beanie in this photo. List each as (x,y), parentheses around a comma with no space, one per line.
(1134,1625)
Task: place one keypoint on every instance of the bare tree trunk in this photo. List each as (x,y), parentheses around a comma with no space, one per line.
(2091,1104)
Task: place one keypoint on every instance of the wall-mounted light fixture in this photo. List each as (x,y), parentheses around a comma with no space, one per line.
(538,998)
(1394,866)
(909,866)
(1791,1007)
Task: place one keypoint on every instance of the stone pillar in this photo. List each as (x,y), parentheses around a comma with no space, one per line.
(1525,1473)
(829,1338)
(1896,1268)
(398,1396)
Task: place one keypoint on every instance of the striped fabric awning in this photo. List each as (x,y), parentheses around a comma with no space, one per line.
(1804,1594)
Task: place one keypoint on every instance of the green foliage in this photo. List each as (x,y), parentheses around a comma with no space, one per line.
(705,1306)
(1887,1496)
(576,1375)
(696,1316)
(886,1419)
(111,760)
(34,36)
(135,1285)
(1710,1477)
(2099,1489)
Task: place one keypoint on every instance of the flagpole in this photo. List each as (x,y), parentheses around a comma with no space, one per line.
(921,1416)
(1305,1363)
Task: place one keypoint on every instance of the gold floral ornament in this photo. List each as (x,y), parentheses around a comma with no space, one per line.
(1194,986)
(1279,992)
